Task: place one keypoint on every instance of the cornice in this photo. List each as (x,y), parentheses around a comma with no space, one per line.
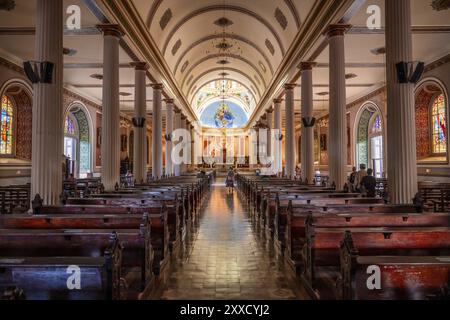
(126,14)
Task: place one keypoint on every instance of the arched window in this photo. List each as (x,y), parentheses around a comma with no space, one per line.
(7,126)
(439,125)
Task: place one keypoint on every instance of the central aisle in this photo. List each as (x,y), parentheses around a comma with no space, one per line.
(226,259)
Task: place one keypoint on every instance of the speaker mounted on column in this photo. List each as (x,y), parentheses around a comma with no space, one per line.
(138,122)
(308,122)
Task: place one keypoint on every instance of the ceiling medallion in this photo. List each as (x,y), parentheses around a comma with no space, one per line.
(224,74)
(223,22)
(96,76)
(223,62)
(440,5)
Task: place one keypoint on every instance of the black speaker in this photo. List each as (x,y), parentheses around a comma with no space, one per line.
(138,122)
(420,68)
(309,122)
(402,72)
(30,73)
(47,72)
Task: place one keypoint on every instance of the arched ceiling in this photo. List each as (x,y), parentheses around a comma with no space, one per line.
(186,33)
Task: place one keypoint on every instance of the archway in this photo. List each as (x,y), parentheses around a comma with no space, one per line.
(16,120)
(431,110)
(77,140)
(370,139)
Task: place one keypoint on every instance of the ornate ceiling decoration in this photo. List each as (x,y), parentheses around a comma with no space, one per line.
(440,5)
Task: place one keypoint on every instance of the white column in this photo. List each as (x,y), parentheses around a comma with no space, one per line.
(177,125)
(184,151)
(157,132)
(337,151)
(401,152)
(269,116)
(278,143)
(252,148)
(169,131)
(307,153)
(111,107)
(290,131)
(47,135)
(139,122)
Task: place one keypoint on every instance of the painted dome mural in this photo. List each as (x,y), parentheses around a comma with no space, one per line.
(223,114)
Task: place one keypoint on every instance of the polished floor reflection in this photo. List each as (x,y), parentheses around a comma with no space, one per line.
(227,259)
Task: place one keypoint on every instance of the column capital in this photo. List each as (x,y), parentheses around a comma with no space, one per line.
(176,109)
(183,117)
(139,65)
(307,65)
(270,109)
(289,86)
(157,86)
(109,29)
(277,101)
(337,29)
(168,101)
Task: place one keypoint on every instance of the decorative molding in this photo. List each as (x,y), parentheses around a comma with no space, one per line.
(109,29)
(185,65)
(141,65)
(436,64)
(339,29)
(157,86)
(281,18)
(152,12)
(165,19)
(212,8)
(176,47)
(269,46)
(225,69)
(227,36)
(215,56)
(294,12)
(307,65)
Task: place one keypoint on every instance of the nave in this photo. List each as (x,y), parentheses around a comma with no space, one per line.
(228,259)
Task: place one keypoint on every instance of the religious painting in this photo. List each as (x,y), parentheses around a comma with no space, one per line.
(323,142)
(123,142)
(223,115)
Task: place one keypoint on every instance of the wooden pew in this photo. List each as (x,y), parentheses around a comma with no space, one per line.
(401,277)
(321,257)
(158,222)
(15,199)
(38,262)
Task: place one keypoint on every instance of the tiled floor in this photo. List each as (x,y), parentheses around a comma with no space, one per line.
(227,259)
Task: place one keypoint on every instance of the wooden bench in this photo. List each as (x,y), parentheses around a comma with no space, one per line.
(401,277)
(321,258)
(38,262)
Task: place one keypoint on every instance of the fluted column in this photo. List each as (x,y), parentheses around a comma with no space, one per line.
(269,116)
(47,135)
(337,151)
(290,131)
(169,131)
(307,153)
(157,132)
(177,125)
(278,143)
(192,145)
(401,152)
(111,107)
(139,122)
(252,148)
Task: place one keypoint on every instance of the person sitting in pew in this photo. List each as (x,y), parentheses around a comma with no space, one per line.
(368,184)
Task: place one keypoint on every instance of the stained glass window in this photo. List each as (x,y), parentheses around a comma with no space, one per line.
(377,126)
(7,123)
(69,127)
(439,125)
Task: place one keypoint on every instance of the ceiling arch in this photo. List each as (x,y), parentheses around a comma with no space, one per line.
(210,71)
(226,36)
(194,94)
(232,8)
(157,3)
(215,56)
